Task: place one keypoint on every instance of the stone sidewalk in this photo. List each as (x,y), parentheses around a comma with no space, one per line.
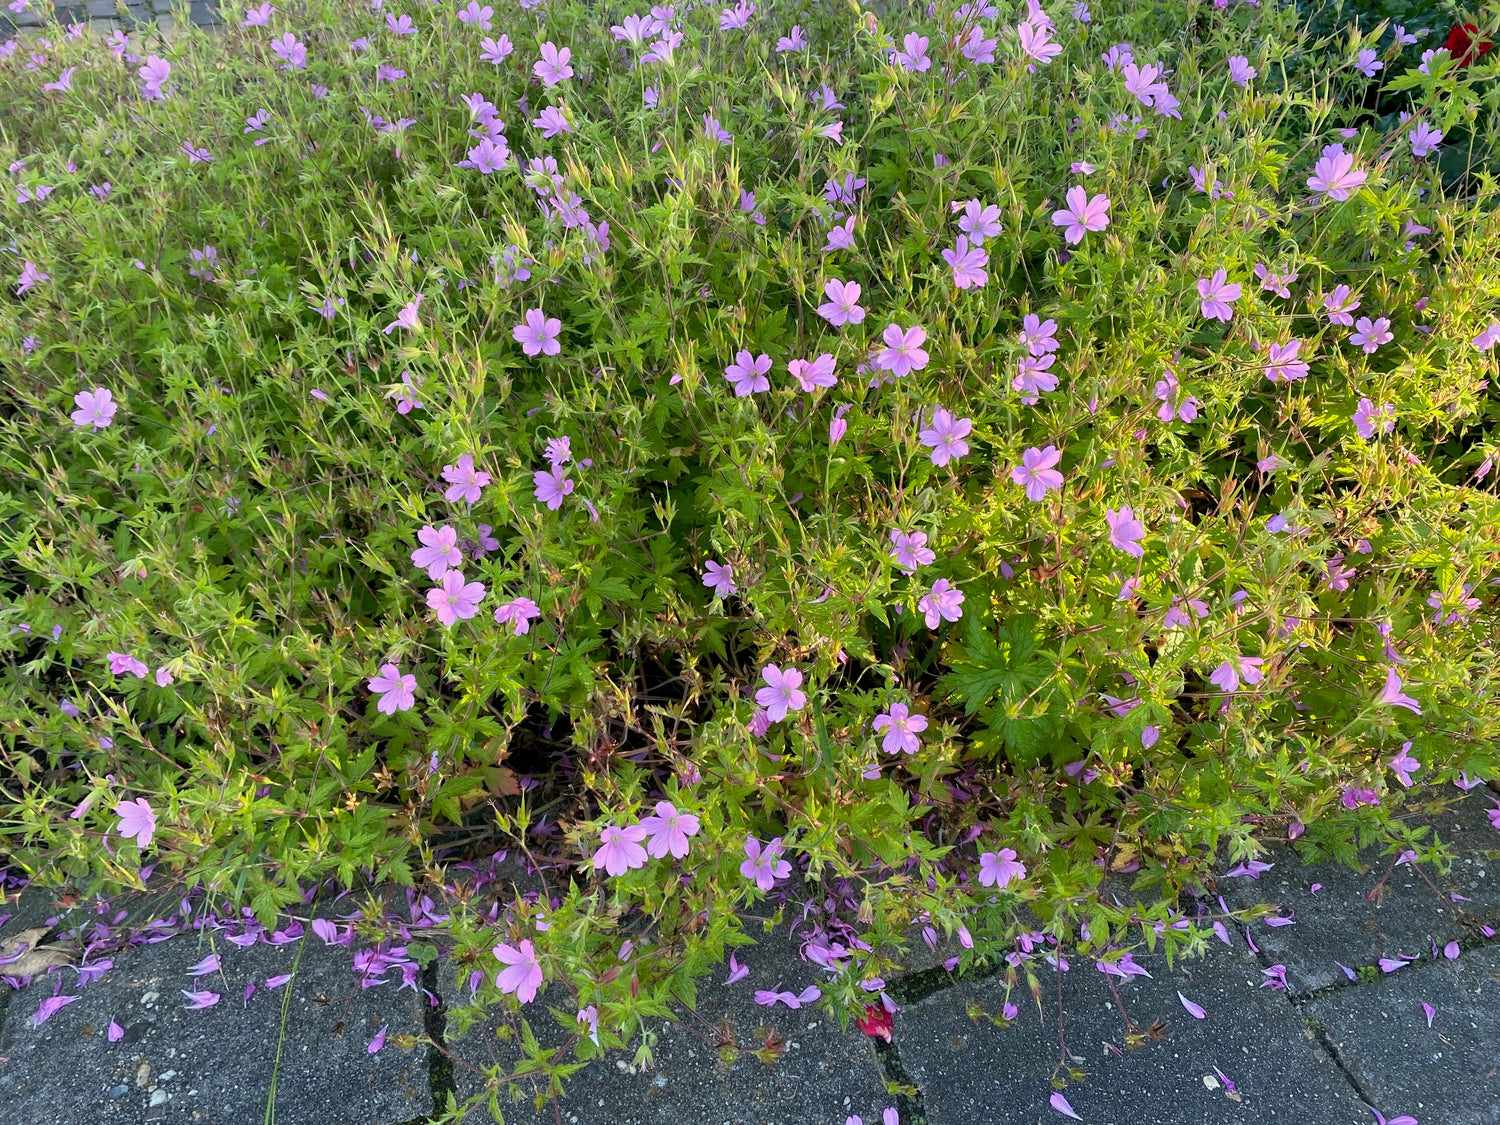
(1391,1001)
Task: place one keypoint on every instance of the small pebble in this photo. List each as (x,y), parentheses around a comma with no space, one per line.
(159,1098)
(119,1091)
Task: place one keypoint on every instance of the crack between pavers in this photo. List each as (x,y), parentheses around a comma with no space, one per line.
(909,1102)
(439,1065)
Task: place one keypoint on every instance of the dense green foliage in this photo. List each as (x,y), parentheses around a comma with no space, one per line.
(1314,589)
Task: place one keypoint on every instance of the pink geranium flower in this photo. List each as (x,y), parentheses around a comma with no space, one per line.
(1334,173)
(782,692)
(669,830)
(1081,215)
(522,974)
(764,866)
(455,600)
(137,821)
(901,729)
(397,692)
(842,306)
(620,849)
(1217,294)
(1000,869)
(538,333)
(903,352)
(1037,473)
(439,551)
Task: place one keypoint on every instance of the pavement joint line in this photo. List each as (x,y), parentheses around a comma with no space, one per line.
(908,1094)
(439,1065)
(1337,1058)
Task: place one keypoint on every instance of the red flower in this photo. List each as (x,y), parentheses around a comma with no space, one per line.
(876,1022)
(1461,45)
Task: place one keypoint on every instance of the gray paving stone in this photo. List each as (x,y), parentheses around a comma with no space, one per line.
(823,1074)
(1447,1073)
(215,1066)
(1339,924)
(971,1071)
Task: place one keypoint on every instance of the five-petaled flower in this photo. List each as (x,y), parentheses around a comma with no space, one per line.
(538,333)
(1000,869)
(397,692)
(1403,765)
(782,692)
(1037,472)
(465,482)
(1125,531)
(944,435)
(842,306)
(748,373)
(903,352)
(1082,214)
(455,599)
(1217,295)
(719,578)
(901,729)
(522,974)
(1282,364)
(553,67)
(620,849)
(518,613)
(1370,334)
(944,602)
(95,408)
(764,865)
(137,821)
(668,830)
(1334,174)
(439,551)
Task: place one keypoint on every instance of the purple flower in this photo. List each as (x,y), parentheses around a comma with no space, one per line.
(153,74)
(1370,334)
(438,552)
(901,729)
(552,122)
(488,156)
(620,849)
(914,57)
(95,408)
(1217,294)
(764,866)
(910,550)
(522,974)
(553,67)
(1283,364)
(1000,869)
(475,16)
(1494,815)
(1227,675)
(1354,796)
(1240,70)
(842,306)
(1037,473)
(1081,215)
(1367,416)
(397,692)
(464,481)
(30,275)
(538,334)
(1367,62)
(747,374)
(840,236)
(1403,765)
(796,41)
(1275,282)
(1339,307)
(1334,173)
(944,602)
(1036,42)
(1125,531)
(406,318)
(945,436)
(782,692)
(137,821)
(120,663)
(1424,139)
(968,264)
(494,51)
(455,599)
(903,352)
(552,486)
(259,16)
(1391,695)
(719,578)
(979,221)
(814,373)
(292,53)
(518,613)
(668,830)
